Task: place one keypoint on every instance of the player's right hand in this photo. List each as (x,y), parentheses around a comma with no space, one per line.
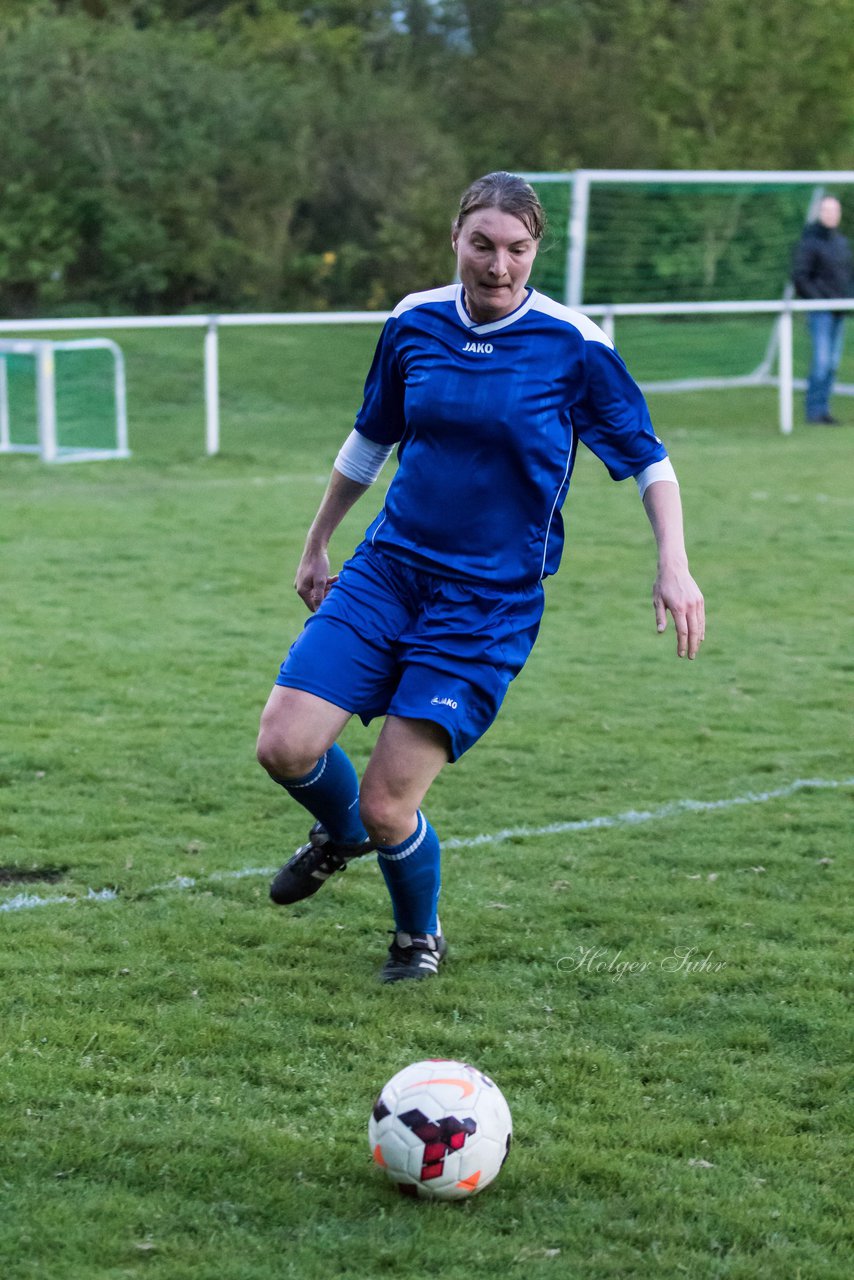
(313,580)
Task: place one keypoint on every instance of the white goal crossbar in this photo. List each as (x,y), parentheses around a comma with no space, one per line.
(50,446)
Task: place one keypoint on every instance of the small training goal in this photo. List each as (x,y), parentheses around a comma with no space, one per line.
(65,401)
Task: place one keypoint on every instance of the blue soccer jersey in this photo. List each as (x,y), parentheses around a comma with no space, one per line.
(488,419)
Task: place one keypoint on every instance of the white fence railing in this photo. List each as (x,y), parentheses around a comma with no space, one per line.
(784,310)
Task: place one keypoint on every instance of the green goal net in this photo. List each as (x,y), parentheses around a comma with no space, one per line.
(64,401)
(618,236)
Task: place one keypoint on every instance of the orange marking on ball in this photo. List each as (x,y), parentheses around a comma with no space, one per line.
(470,1183)
(466,1085)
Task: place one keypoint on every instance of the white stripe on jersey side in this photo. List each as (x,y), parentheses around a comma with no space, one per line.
(379,526)
(557,495)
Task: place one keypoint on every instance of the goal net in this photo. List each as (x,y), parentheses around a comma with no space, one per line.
(663,237)
(65,401)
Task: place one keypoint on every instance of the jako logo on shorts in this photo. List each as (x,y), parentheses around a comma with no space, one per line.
(443,702)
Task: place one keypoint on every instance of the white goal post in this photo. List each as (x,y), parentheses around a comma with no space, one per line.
(55,442)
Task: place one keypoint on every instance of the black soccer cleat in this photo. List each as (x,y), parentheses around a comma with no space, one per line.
(312,865)
(413,955)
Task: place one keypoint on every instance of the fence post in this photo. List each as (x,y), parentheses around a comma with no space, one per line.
(4,408)
(787,390)
(120,389)
(46,400)
(212,387)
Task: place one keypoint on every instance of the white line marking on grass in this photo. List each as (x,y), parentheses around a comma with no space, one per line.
(631,818)
(190,882)
(23,901)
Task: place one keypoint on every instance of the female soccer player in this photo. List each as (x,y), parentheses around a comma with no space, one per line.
(486,387)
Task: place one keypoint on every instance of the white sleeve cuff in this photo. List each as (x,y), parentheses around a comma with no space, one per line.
(361,459)
(662,470)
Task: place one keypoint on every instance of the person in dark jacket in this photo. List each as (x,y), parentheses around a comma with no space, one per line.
(824,268)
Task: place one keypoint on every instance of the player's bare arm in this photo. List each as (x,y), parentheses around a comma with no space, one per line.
(674,590)
(313,580)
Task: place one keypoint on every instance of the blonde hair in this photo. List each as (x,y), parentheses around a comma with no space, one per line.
(507,192)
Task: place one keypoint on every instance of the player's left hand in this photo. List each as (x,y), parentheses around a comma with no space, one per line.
(676,592)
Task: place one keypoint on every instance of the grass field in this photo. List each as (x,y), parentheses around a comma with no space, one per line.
(186,1071)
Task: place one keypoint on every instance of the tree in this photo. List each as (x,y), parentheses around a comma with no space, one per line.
(249,153)
(732,86)
(656,83)
(176,174)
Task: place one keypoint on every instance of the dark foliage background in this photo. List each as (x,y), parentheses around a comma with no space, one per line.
(162,155)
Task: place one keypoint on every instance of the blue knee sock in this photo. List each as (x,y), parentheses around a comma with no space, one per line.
(330,792)
(412,875)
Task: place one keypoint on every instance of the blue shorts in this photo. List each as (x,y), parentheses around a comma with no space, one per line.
(390,639)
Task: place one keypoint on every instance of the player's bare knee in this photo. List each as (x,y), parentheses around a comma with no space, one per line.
(386,819)
(381,833)
(266,753)
(374,815)
(280,758)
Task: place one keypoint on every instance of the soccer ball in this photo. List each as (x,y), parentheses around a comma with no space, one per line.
(440,1129)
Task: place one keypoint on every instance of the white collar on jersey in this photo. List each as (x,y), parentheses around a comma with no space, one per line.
(520,311)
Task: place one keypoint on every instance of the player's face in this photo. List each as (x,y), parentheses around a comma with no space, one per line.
(495,252)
